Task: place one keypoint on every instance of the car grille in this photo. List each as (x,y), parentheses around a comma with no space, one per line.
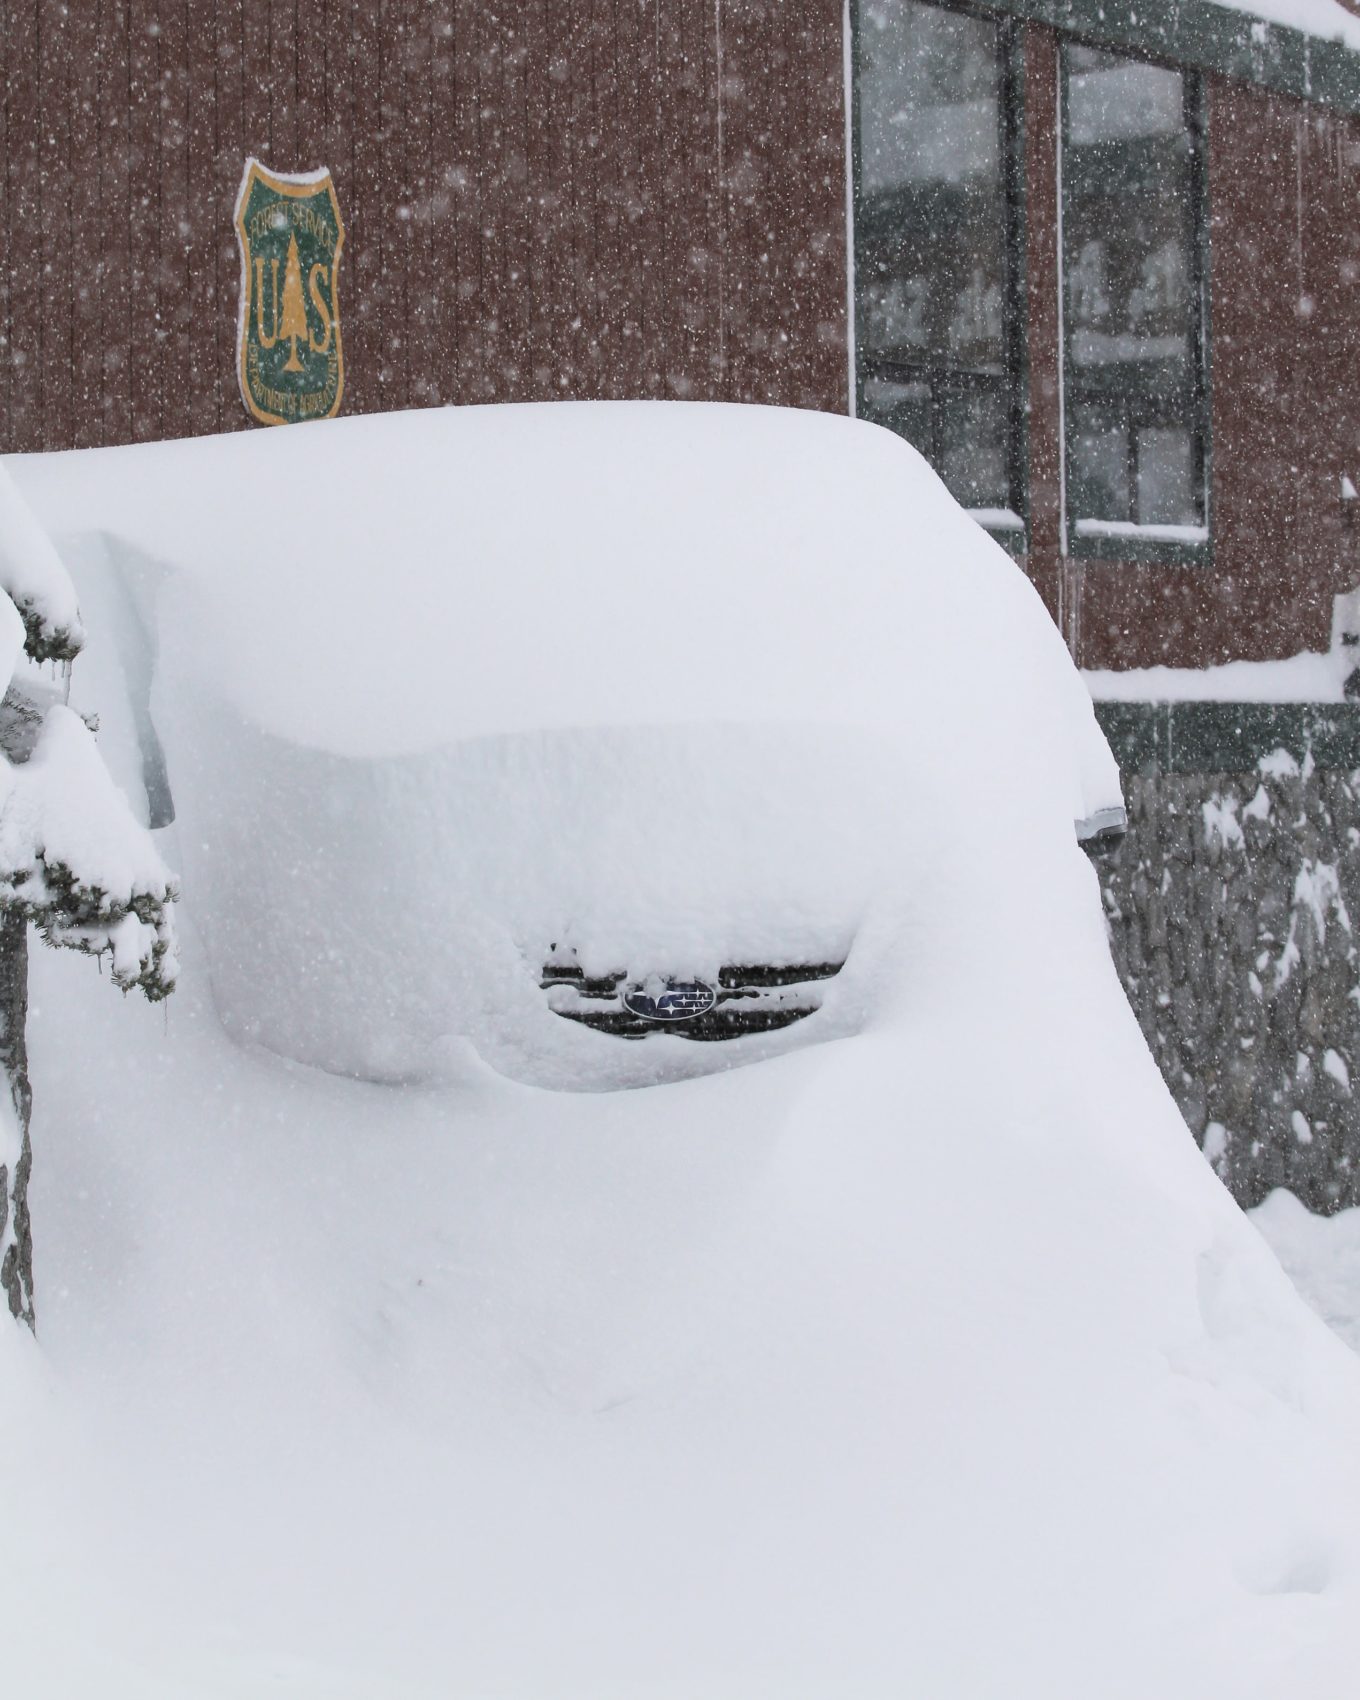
(745,998)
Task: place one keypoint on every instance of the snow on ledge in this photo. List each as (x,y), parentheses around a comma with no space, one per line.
(996,519)
(1153,533)
(1308,677)
(1328,20)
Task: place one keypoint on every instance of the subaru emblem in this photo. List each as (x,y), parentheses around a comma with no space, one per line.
(655,999)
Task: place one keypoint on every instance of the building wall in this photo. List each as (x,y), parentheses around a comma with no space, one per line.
(570,198)
(1284,285)
(550,198)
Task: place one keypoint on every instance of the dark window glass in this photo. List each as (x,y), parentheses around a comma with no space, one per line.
(1134,390)
(936,324)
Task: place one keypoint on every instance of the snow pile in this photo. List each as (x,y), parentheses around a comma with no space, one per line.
(75,862)
(926,1361)
(932,1360)
(1320,1254)
(689,706)
(672,566)
(36,582)
(369,916)
(73,859)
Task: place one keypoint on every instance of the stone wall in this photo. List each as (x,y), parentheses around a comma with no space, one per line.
(1233,906)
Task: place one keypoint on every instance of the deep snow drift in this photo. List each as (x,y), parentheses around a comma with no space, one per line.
(706,698)
(1321,1255)
(930,1360)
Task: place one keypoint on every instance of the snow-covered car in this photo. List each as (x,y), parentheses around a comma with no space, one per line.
(605,722)
(934,1360)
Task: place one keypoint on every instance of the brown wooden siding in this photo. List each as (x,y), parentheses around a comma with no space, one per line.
(549,198)
(575,198)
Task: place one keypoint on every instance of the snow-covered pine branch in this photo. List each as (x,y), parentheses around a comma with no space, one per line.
(34,579)
(75,862)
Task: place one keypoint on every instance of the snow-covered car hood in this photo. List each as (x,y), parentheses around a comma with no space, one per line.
(673,685)
(584,564)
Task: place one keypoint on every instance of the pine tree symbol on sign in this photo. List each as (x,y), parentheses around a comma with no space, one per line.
(294,326)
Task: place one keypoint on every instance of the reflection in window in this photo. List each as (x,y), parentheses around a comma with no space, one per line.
(936,325)
(1133,374)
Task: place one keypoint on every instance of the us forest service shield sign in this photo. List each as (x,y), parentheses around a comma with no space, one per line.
(288,354)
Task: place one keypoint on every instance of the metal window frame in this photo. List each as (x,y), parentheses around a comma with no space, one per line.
(1015,378)
(1125,547)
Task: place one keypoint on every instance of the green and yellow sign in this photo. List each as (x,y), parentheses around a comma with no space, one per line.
(289,358)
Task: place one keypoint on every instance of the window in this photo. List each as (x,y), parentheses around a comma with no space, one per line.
(1134,390)
(939,277)
(936,246)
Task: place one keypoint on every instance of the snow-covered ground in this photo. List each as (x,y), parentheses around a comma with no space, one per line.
(1321,1255)
(929,1359)
(762,1383)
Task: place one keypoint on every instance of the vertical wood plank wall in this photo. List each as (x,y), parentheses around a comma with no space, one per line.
(543,198)
(580,198)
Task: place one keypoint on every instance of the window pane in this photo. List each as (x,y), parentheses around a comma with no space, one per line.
(1166,494)
(931,241)
(1098,468)
(904,408)
(931,186)
(1135,394)
(1111,99)
(973,448)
